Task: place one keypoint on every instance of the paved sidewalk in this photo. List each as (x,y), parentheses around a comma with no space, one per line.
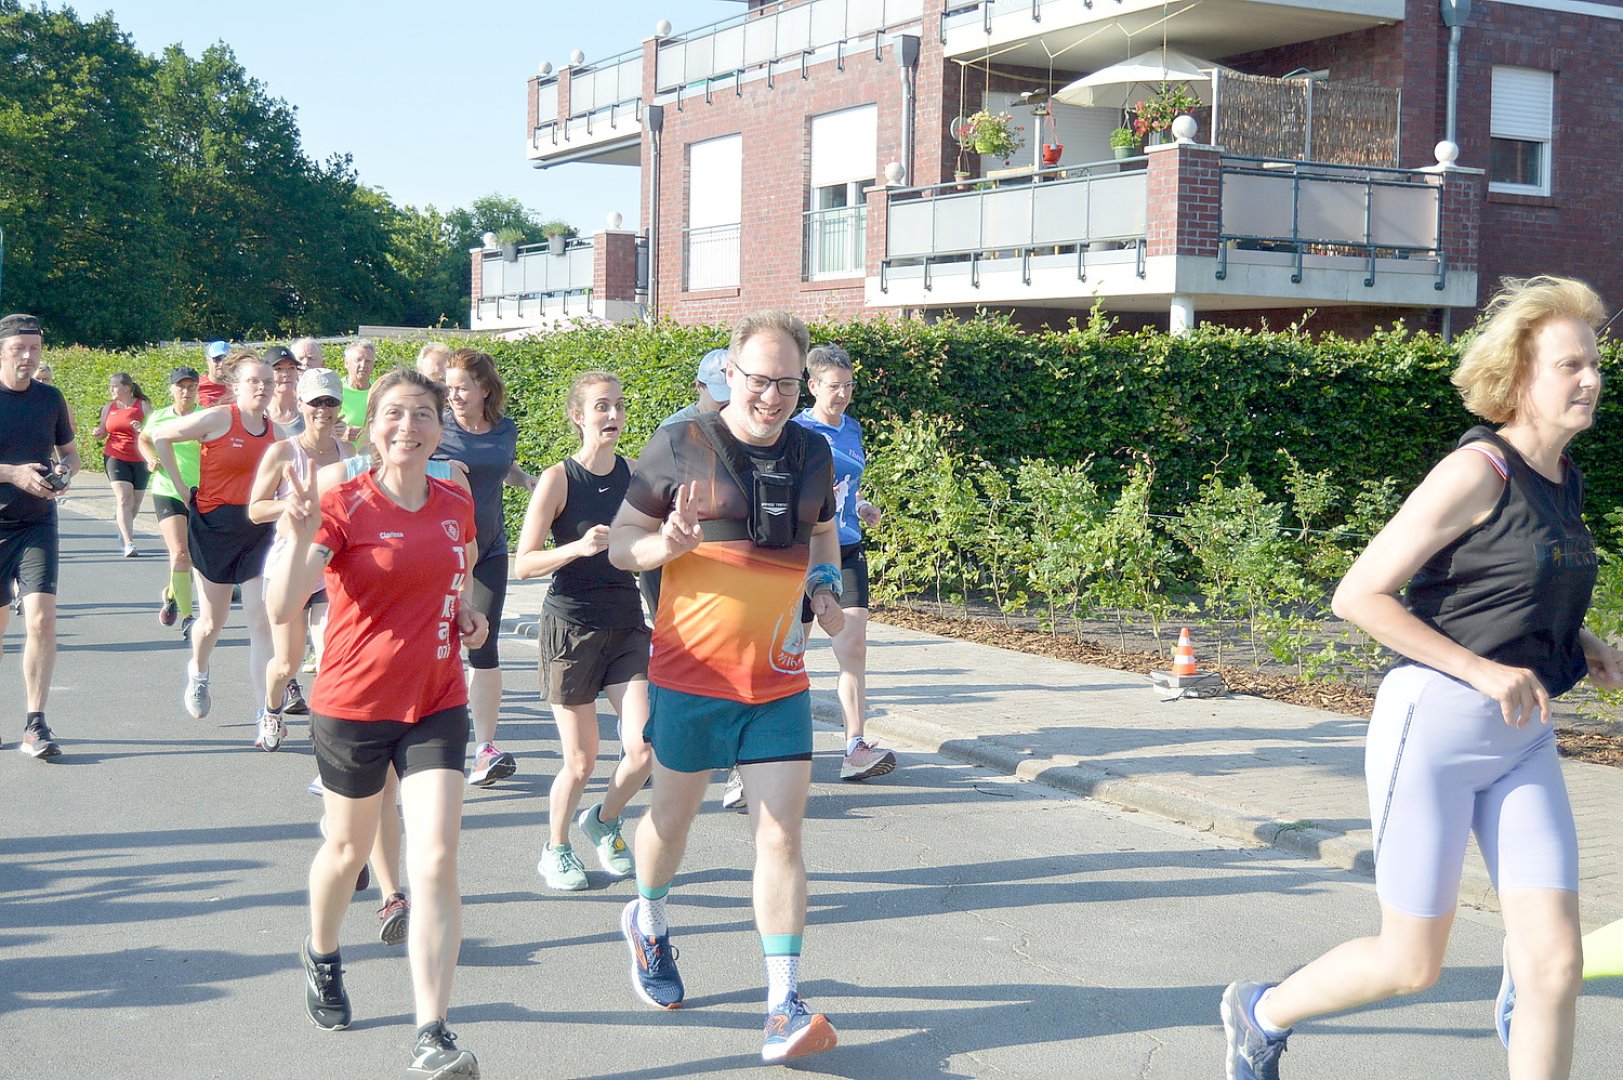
(1242,767)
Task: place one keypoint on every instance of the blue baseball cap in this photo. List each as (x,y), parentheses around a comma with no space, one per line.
(216,349)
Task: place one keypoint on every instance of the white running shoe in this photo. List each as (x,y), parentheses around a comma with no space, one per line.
(196,698)
(732,796)
(272,731)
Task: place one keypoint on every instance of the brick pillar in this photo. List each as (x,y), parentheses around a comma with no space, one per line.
(534,110)
(1462,216)
(564,78)
(1183,190)
(614,266)
(878,205)
(478,282)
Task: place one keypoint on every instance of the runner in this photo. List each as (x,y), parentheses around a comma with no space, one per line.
(307,350)
(832,379)
(479,434)
(738,506)
(432,358)
(284,409)
(127,473)
(393,548)
(359,358)
(1499,566)
(227,548)
(320,395)
(593,638)
(168,502)
(38,461)
(212,388)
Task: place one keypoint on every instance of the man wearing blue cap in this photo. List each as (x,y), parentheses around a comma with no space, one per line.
(35,428)
(211,388)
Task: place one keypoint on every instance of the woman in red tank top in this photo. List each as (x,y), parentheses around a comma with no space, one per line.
(120,425)
(227,547)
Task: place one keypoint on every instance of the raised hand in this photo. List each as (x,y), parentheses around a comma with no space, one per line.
(303,514)
(594,540)
(681,528)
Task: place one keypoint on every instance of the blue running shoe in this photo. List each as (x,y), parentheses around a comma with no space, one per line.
(653,963)
(792,1031)
(1505,1003)
(1251,1054)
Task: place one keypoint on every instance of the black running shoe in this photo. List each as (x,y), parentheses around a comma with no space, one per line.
(436,1057)
(364,878)
(394,919)
(324,999)
(293,701)
(186,627)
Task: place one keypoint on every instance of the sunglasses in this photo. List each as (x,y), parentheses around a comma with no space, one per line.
(323,403)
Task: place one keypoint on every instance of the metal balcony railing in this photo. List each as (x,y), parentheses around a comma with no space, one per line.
(835,242)
(1053,211)
(772,34)
(710,257)
(603,97)
(1305,207)
(534,273)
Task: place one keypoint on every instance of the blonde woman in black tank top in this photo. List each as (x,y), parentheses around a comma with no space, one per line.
(593,637)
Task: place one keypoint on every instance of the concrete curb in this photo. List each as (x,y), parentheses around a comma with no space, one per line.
(1303,838)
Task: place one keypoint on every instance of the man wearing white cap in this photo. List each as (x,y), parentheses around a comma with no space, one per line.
(711,382)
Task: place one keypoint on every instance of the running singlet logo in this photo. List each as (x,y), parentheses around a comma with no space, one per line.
(789,643)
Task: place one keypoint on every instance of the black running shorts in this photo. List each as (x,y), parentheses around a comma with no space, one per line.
(354,756)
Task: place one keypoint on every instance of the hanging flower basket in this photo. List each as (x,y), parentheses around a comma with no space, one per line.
(990,134)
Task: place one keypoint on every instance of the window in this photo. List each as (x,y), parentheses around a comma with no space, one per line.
(844,146)
(1523,118)
(715,199)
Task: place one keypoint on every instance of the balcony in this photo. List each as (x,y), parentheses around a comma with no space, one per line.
(589,112)
(1088,34)
(1182,229)
(604,278)
(835,243)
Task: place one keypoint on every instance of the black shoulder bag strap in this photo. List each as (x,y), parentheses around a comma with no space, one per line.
(742,469)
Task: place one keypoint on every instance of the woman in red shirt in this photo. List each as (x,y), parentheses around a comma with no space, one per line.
(120,425)
(227,547)
(394,550)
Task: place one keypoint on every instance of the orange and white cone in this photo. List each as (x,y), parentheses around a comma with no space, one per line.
(1183,657)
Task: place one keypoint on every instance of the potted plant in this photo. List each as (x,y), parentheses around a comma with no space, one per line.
(990,134)
(1153,117)
(1051,152)
(557,232)
(1124,142)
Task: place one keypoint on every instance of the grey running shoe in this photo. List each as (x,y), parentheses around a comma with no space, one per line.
(324,999)
(436,1057)
(196,698)
(1251,1054)
(612,853)
(394,919)
(38,742)
(561,868)
(732,796)
(186,627)
(864,761)
(293,702)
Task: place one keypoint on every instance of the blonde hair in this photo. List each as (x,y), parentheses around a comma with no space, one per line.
(575,402)
(770,322)
(1495,365)
(482,369)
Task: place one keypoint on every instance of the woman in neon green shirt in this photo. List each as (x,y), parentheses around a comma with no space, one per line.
(169,499)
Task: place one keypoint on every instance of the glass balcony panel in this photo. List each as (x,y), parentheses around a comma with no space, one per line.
(862,16)
(1331,211)
(1256,205)
(1405,216)
(760,40)
(670,66)
(827,22)
(957,223)
(729,45)
(1006,218)
(546,102)
(907,229)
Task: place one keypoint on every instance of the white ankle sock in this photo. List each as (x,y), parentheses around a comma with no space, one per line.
(782,978)
(1268,1029)
(651,917)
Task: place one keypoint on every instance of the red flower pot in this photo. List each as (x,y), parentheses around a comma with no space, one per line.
(1051,153)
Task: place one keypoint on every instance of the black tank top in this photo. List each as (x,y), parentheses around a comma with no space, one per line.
(1515,588)
(590,591)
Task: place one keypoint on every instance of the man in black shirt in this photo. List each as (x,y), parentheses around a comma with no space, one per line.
(34,430)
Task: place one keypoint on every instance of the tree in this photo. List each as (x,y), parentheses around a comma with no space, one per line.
(84,248)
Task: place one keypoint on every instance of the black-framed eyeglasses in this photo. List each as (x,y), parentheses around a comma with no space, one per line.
(323,403)
(758,383)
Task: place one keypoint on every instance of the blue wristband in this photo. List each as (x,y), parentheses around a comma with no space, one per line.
(824,575)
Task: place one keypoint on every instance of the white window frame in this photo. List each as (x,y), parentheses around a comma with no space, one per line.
(1523,109)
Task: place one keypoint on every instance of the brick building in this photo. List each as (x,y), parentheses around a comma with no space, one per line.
(804,154)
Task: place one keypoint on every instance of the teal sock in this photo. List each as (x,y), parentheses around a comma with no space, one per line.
(782,955)
(651,911)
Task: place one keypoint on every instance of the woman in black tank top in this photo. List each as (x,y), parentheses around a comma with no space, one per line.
(593,638)
(1499,568)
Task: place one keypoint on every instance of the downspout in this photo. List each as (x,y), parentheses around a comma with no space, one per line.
(907,56)
(654,117)
(1455,13)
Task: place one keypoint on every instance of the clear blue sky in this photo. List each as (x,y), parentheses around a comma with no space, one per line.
(428,97)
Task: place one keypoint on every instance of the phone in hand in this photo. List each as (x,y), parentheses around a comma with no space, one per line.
(56,479)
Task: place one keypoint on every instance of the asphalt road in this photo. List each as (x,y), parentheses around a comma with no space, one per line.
(963,923)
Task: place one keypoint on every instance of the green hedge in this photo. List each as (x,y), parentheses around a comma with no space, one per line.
(1365,410)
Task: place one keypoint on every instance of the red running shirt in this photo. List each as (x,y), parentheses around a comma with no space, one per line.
(210,393)
(393,651)
(122,425)
(226,466)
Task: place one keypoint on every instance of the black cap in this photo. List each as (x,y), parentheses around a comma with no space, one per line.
(278,353)
(13,325)
(182,373)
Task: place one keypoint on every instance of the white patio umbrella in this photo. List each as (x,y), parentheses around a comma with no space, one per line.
(1123,84)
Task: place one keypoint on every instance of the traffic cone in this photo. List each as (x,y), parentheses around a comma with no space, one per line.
(1183,657)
